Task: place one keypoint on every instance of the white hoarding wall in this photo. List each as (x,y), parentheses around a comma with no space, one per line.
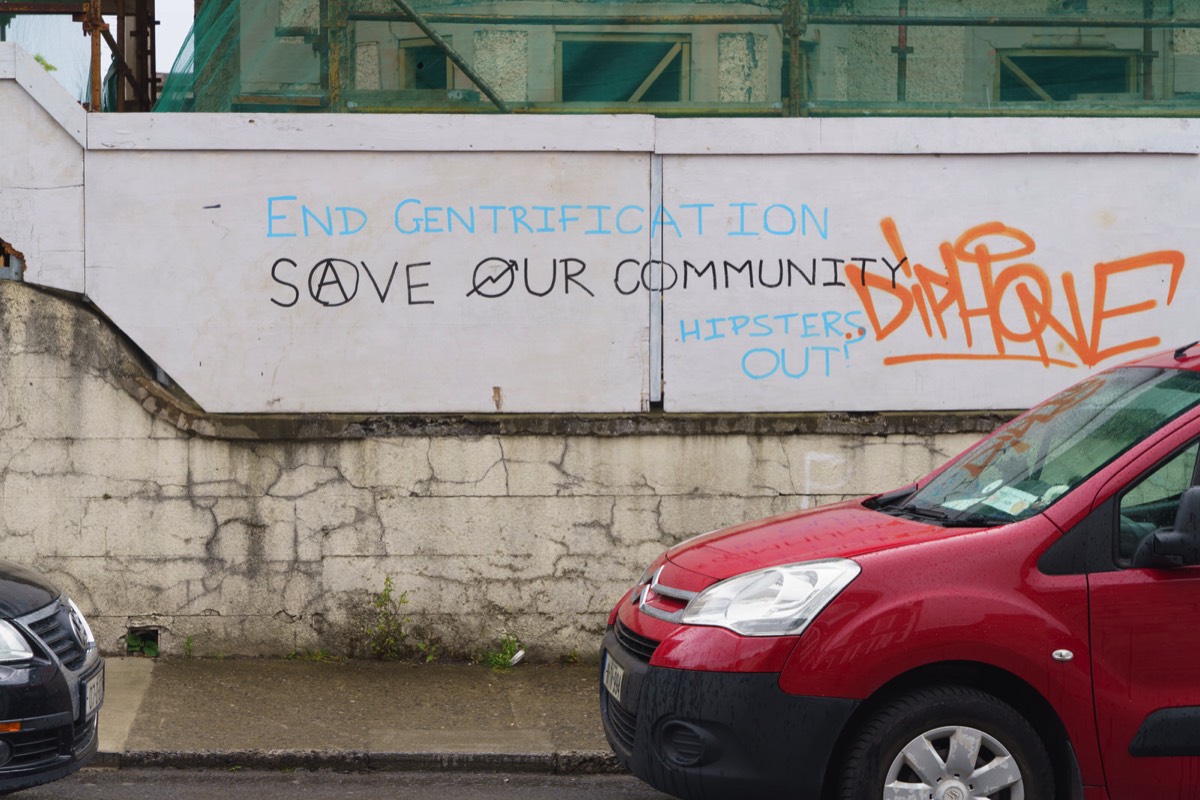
(593,264)
(521,282)
(41,172)
(877,282)
(377,281)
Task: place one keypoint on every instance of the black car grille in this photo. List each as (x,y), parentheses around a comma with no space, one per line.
(638,646)
(36,748)
(84,734)
(32,748)
(621,723)
(56,634)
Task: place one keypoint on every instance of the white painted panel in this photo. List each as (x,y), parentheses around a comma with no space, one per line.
(377,132)
(48,92)
(925,136)
(41,189)
(1022,238)
(210,263)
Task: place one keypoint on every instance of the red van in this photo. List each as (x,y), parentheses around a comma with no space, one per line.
(1024,623)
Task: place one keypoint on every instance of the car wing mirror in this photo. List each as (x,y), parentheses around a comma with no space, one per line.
(1187,518)
(1179,546)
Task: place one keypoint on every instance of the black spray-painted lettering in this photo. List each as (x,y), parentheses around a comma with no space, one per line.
(334,282)
(633,275)
(496,276)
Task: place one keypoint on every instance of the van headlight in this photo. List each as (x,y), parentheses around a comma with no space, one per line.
(777,601)
(13,647)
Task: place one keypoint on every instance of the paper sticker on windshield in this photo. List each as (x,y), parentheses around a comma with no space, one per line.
(1009,500)
(1054,492)
(962,505)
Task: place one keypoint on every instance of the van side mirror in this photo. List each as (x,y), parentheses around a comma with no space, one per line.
(1179,546)
(1187,518)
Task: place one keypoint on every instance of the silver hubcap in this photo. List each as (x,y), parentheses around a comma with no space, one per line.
(954,763)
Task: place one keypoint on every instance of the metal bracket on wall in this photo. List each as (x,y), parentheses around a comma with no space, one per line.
(12,263)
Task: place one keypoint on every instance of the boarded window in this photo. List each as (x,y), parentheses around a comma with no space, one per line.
(1061,75)
(423,65)
(623,69)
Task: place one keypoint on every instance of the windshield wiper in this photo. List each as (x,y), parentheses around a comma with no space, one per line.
(945,520)
(973,521)
(918,512)
(889,500)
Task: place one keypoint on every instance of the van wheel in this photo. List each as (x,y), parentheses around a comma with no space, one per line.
(947,743)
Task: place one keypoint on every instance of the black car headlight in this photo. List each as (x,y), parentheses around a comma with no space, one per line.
(13,647)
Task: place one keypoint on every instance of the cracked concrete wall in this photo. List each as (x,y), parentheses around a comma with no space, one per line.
(264,546)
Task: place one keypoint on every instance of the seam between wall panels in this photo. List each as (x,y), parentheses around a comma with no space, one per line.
(655,296)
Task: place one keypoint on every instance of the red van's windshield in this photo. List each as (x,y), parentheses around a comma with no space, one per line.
(1052,448)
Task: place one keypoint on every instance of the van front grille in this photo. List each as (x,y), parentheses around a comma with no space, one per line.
(638,646)
(621,723)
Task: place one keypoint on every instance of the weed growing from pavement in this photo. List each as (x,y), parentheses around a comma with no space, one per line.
(503,658)
(387,625)
(429,651)
(320,655)
(385,632)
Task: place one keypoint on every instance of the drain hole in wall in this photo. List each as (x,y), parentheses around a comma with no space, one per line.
(142,642)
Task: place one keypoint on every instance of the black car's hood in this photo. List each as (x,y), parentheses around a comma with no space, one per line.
(23,590)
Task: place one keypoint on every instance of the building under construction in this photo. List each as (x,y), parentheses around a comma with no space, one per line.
(695,58)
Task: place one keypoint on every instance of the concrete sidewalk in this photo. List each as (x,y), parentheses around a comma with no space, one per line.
(262,713)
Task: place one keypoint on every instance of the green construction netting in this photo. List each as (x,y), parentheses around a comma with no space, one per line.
(767,58)
(54,39)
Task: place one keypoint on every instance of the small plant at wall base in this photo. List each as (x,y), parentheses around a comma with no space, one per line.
(320,656)
(429,651)
(506,656)
(387,626)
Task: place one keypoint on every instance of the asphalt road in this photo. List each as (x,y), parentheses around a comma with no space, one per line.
(156,784)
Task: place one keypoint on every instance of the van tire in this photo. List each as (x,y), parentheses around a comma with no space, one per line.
(924,723)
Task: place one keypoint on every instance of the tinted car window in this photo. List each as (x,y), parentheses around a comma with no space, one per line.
(1051,449)
(1151,503)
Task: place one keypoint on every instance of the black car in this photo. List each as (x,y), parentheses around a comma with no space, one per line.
(51,682)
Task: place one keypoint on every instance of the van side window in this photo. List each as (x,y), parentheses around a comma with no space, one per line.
(1151,503)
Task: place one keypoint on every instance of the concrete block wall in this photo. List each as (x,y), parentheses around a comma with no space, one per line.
(264,535)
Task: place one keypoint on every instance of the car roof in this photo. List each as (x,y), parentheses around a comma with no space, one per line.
(1186,356)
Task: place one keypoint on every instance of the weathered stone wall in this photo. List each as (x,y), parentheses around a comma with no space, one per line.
(264,535)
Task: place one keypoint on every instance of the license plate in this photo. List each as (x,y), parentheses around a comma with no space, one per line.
(614,676)
(93,694)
